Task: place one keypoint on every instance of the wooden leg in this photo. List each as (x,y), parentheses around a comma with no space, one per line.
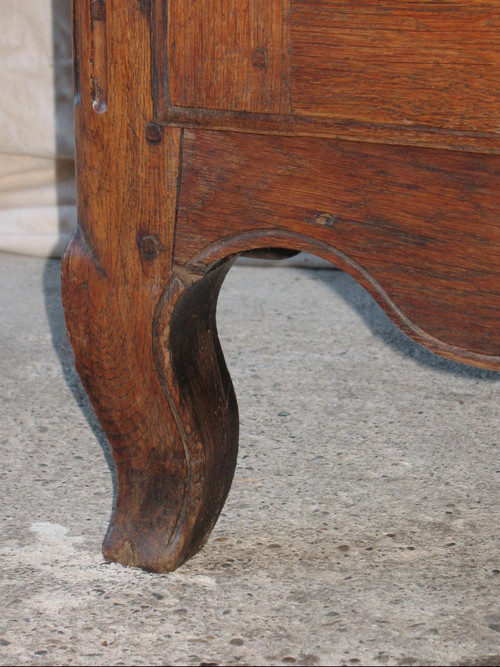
(142,331)
(158,382)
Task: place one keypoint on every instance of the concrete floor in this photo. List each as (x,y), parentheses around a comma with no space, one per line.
(362,527)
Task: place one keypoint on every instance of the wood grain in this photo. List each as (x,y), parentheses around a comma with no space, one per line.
(433,63)
(420,226)
(228,56)
(422,72)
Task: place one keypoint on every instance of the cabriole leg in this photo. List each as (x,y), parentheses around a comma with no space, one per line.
(133,322)
(160,387)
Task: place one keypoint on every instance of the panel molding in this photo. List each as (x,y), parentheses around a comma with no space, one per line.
(272,82)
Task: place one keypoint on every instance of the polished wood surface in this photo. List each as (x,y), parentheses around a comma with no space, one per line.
(423,73)
(362,132)
(431,64)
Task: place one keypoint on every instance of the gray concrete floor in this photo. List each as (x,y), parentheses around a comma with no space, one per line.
(363,522)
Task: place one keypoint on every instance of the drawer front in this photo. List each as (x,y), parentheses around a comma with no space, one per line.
(425,71)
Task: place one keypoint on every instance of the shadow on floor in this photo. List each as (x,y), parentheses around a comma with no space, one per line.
(381,326)
(55,314)
(66,197)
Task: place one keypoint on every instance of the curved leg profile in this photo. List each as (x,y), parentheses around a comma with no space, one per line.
(200,393)
(160,387)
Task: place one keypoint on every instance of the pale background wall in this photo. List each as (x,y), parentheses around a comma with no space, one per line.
(37,201)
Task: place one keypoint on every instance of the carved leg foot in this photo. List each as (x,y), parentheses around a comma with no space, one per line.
(159,385)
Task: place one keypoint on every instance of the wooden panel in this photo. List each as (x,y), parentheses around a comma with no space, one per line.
(228,55)
(425,63)
(422,226)
(421,72)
